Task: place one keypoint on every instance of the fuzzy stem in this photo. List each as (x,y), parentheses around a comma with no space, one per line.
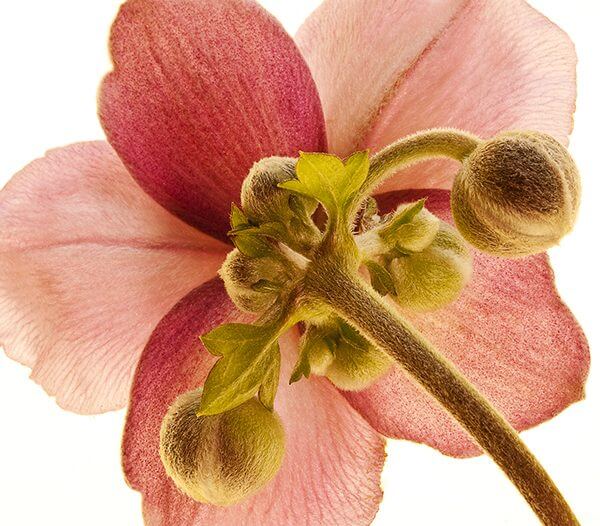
(429,144)
(352,299)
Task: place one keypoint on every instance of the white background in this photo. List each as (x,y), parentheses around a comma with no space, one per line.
(58,468)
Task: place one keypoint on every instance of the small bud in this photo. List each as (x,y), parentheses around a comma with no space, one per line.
(264,201)
(432,278)
(517,194)
(412,227)
(253,284)
(221,459)
(356,363)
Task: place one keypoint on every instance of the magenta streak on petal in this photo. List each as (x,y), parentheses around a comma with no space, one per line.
(199,92)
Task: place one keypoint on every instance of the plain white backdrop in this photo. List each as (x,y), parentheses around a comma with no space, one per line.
(58,468)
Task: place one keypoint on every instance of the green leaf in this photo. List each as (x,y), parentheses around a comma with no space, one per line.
(405,216)
(252,245)
(326,178)
(302,367)
(237,218)
(381,279)
(247,354)
(268,389)
(357,169)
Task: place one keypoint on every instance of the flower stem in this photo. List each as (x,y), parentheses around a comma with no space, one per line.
(429,144)
(353,300)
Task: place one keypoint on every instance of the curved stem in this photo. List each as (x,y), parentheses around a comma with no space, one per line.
(441,142)
(353,300)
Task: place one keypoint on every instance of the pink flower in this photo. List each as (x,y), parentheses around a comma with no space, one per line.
(201,89)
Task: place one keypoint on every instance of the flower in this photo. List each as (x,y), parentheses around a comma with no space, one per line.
(90,264)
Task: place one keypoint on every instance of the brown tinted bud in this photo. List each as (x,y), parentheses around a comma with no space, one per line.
(517,194)
(221,459)
(262,200)
(253,284)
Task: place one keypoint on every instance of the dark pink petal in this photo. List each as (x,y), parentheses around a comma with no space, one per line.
(509,333)
(386,69)
(201,89)
(330,474)
(88,265)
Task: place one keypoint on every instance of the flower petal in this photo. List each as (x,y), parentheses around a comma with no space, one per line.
(199,92)
(508,332)
(331,470)
(394,68)
(88,265)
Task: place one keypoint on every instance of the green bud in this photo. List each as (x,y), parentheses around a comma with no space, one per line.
(356,363)
(412,228)
(253,284)
(264,201)
(221,459)
(432,278)
(517,194)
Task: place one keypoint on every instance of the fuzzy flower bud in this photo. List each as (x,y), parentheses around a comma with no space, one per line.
(221,459)
(253,284)
(264,201)
(517,194)
(356,363)
(434,277)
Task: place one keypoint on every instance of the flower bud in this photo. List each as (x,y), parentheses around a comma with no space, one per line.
(517,194)
(412,228)
(356,363)
(221,459)
(253,284)
(432,278)
(264,201)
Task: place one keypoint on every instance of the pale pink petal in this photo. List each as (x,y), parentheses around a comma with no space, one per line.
(199,92)
(88,265)
(333,461)
(388,68)
(509,333)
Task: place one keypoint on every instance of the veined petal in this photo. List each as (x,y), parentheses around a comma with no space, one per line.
(388,68)
(508,332)
(202,89)
(88,265)
(333,460)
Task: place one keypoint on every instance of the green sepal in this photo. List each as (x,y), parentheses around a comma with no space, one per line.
(315,350)
(381,279)
(326,178)
(252,245)
(268,389)
(237,218)
(406,216)
(246,357)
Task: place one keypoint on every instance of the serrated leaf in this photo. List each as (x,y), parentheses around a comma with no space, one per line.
(247,354)
(381,279)
(268,389)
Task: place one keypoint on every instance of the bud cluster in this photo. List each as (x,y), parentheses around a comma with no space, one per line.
(420,261)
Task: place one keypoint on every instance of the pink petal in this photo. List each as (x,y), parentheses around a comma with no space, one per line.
(200,91)
(509,333)
(88,265)
(395,68)
(330,474)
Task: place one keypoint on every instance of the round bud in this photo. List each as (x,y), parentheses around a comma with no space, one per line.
(517,194)
(263,201)
(356,363)
(432,278)
(253,284)
(221,459)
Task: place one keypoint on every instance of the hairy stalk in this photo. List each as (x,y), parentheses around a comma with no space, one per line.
(429,144)
(353,300)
